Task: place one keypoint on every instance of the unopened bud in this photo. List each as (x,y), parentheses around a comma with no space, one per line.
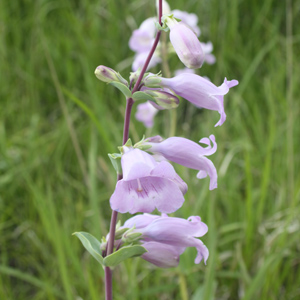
(130,237)
(185,43)
(108,75)
(120,232)
(152,81)
(163,99)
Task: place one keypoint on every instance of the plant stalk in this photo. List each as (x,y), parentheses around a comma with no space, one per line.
(129,104)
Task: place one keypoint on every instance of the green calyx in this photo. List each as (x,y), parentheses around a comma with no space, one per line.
(140,145)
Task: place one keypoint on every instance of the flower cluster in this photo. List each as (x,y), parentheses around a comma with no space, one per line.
(147,179)
(183,41)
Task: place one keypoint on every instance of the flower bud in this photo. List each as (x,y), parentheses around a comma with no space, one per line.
(163,99)
(152,81)
(161,255)
(108,75)
(130,236)
(185,43)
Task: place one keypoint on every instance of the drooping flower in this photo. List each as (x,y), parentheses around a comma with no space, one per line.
(147,185)
(166,238)
(140,221)
(161,255)
(185,43)
(189,19)
(187,153)
(197,90)
(146,113)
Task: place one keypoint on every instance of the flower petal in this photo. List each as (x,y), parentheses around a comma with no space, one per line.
(144,195)
(161,255)
(140,221)
(136,163)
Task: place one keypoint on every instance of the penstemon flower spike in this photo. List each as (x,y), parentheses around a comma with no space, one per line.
(145,179)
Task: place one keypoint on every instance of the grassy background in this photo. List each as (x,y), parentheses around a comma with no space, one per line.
(55,177)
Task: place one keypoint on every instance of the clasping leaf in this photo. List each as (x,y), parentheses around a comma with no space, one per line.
(91,244)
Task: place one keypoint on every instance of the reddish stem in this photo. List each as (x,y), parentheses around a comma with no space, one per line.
(129,104)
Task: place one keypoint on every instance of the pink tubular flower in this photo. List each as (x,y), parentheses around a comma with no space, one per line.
(166,238)
(185,43)
(200,91)
(140,221)
(187,153)
(161,255)
(147,185)
(179,233)
(146,113)
(189,19)
(184,71)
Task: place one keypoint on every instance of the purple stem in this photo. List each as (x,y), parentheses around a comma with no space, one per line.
(129,104)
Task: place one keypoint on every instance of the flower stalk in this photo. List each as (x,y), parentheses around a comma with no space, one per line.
(129,104)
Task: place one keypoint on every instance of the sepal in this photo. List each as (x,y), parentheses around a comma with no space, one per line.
(168,21)
(163,99)
(140,145)
(120,232)
(142,96)
(125,147)
(153,81)
(130,236)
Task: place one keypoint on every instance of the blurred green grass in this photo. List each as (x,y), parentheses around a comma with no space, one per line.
(55,177)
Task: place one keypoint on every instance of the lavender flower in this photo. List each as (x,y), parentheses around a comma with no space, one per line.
(190,20)
(185,43)
(161,255)
(198,91)
(184,71)
(147,185)
(141,42)
(187,153)
(158,232)
(146,113)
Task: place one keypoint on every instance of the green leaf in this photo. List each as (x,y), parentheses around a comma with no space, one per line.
(91,244)
(122,254)
(141,96)
(123,88)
